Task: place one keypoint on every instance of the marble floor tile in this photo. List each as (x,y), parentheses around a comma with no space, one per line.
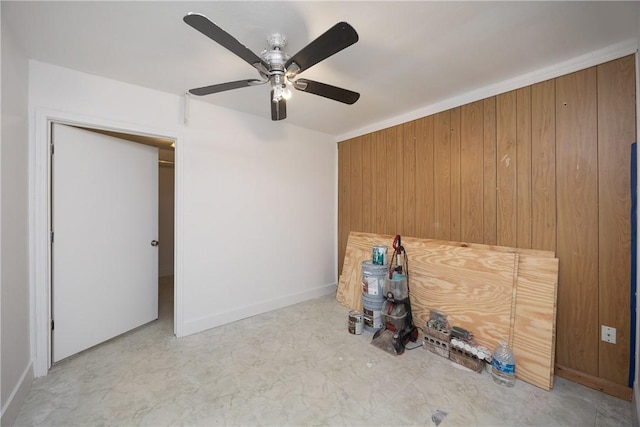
(297,366)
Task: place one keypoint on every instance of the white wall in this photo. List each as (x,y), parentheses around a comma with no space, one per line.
(166,178)
(258,198)
(16,371)
(260,216)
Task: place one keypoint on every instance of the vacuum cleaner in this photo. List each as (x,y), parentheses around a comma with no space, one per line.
(397,322)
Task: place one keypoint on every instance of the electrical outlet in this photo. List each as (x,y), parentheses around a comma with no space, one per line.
(608,334)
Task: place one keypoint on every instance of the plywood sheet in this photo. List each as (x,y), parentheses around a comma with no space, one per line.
(473,287)
(534,327)
(498,292)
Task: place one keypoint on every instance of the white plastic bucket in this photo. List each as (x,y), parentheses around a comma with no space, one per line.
(373,279)
(372,309)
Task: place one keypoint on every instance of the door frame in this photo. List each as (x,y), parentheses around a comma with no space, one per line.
(40,220)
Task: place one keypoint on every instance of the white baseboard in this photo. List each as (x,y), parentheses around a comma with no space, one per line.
(11,408)
(238,313)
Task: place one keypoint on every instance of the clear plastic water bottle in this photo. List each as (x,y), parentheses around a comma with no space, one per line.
(503,369)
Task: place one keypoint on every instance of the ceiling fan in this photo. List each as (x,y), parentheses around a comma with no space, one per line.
(278,69)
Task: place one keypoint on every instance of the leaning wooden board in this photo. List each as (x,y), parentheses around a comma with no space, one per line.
(534,331)
(474,287)
(498,292)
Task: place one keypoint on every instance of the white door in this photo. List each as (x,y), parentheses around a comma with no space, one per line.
(105,222)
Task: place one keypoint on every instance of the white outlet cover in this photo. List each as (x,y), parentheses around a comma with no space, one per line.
(608,334)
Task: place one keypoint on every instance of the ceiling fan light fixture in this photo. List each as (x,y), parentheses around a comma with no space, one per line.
(280,89)
(281,92)
(286,93)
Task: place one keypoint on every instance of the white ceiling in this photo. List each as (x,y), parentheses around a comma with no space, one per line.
(411,55)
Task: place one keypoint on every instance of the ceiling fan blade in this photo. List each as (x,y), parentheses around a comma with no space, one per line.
(327,91)
(278,109)
(207,90)
(335,39)
(220,36)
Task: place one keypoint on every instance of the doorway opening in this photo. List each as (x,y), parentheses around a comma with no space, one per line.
(165,179)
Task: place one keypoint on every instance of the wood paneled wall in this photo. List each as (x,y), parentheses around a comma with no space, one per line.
(542,167)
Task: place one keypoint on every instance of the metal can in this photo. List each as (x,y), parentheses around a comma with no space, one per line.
(355,322)
(379,255)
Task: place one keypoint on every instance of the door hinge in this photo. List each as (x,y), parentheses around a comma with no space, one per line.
(52,237)
(52,149)
(52,324)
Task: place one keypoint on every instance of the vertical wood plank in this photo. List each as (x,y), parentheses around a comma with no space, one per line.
(343,201)
(355,184)
(391,159)
(424,178)
(506,169)
(523,167)
(380,182)
(455,174)
(543,166)
(442,175)
(471,172)
(409,179)
(368,216)
(489,234)
(398,185)
(577,238)
(616,133)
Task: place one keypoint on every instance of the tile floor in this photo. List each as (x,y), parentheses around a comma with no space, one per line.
(293,366)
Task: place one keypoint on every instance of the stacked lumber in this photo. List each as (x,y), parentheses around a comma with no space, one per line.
(497,292)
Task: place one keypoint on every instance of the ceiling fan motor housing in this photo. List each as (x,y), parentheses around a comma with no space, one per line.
(275,58)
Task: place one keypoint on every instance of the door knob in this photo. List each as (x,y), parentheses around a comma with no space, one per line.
(154,243)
